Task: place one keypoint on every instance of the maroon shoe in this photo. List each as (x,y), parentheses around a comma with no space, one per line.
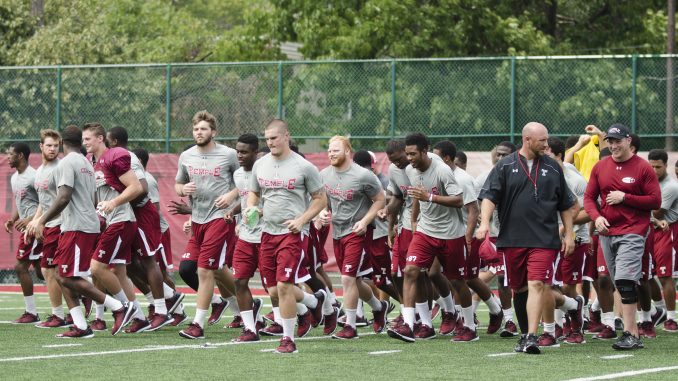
(236,323)
(425,333)
(193,331)
(435,311)
(317,312)
(274,329)
(98,325)
(122,316)
(246,336)
(607,333)
(27,318)
(346,333)
(577,315)
(397,321)
(257,303)
(401,332)
(670,325)
(647,328)
(448,323)
(138,325)
(574,338)
(361,321)
(304,324)
(659,316)
(495,322)
(286,346)
(331,322)
(270,317)
(416,328)
(217,310)
(174,302)
(595,324)
(158,321)
(559,332)
(69,319)
(380,317)
(465,335)
(546,340)
(76,333)
(52,321)
(259,325)
(567,328)
(510,329)
(87,304)
(178,318)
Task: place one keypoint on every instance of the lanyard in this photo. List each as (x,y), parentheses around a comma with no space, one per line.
(533,181)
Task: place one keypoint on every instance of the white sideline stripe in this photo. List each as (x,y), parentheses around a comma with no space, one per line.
(502,354)
(268,350)
(383,352)
(61,345)
(626,374)
(6,322)
(158,348)
(614,357)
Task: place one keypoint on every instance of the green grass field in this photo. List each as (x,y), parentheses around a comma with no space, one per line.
(31,353)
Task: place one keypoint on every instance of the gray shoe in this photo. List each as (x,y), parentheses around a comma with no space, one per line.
(627,342)
(520,347)
(532,345)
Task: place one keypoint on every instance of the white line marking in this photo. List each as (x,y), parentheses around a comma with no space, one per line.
(6,322)
(61,345)
(383,352)
(268,350)
(502,354)
(626,374)
(614,357)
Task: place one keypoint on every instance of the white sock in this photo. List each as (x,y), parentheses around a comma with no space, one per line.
(139,314)
(493,305)
(671,315)
(248,320)
(301,309)
(58,311)
(149,298)
(408,316)
(424,314)
(375,304)
(475,303)
(559,316)
(467,313)
(288,328)
(167,291)
(359,310)
(30,304)
(276,315)
(216,299)
(607,318)
(646,316)
(332,296)
(180,309)
(327,306)
(569,304)
(99,311)
(447,303)
(350,317)
(457,307)
(508,314)
(200,316)
(550,328)
(160,306)
(595,306)
(233,306)
(112,303)
(121,296)
(660,304)
(78,317)
(309,300)
(653,309)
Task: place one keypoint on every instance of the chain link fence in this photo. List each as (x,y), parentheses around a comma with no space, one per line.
(474,101)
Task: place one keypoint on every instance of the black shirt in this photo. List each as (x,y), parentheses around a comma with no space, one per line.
(528,219)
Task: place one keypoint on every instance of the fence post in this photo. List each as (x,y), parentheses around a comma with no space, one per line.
(58,99)
(280,89)
(394,106)
(168,106)
(513,99)
(634,74)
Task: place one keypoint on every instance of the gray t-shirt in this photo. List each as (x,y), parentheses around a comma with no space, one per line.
(436,220)
(669,188)
(140,173)
(242,180)
(76,172)
(154,196)
(577,184)
(284,186)
(212,173)
(45,185)
(397,185)
(467,185)
(477,186)
(350,193)
(25,195)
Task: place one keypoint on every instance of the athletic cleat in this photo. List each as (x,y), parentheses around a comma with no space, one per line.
(121,317)
(69,319)
(659,316)
(361,321)
(158,321)
(174,302)
(577,315)
(546,340)
(670,325)
(574,338)
(246,336)
(606,334)
(401,332)
(178,318)
(52,321)
(330,322)
(520,346)
(138,326)
(567,328)
(595,324)
(495,322)
(76,333)
(448,323)
(217,311)
(532,345)
(236,323)
(425,333)
(398,320)
(259,325)
(380,317)
(464,335)
(510,329)
(193,331)
(628,342)
(304,324)
(257,303)
(87,304)
(270,317)
(274,329)
(27,318)
(98,325)
(346,333)
(435,311)
(317,312)
(286,346)
(646,329)
(559,332)
(618,324)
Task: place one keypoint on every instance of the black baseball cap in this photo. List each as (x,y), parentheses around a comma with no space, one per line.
(618,131)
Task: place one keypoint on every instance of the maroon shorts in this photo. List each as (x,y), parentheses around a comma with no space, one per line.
(74,253)
(473,264)
(245,259)
(647,264)
(450,252)
(400,246)
(210,243)
(28,250)
(191,251)
(148,236)
(323,234)
(114,246)
(380,254)
(352,254)
(600,261)
(663,254)
(316,248)
(590,261)
(281,258)
(164,254)
(50,242)
(570,269)
(528,264)
(497,268)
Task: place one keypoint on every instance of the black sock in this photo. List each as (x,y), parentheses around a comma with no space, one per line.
(315,284)
(520,306)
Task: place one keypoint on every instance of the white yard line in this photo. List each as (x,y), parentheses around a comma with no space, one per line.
(629,373)
(502,354)
(614,357)
(62,345)
(383,352)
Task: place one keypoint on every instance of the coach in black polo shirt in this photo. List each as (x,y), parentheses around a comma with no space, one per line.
(529,190)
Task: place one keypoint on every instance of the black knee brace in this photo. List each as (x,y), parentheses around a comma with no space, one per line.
(628,291)
(188,270)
